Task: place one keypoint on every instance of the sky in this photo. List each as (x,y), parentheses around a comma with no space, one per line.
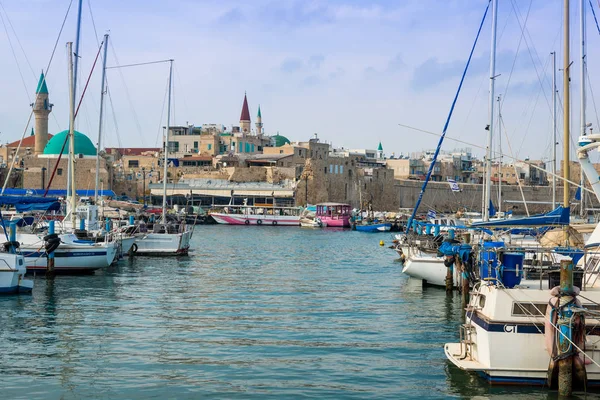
(349,70)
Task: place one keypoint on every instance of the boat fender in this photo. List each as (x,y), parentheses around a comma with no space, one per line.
(247,222)
(51,245)
(259,222)
(14,244)
(274,222)
(134,248)
(50,236)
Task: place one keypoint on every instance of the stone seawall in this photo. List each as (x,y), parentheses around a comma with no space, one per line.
(439,197)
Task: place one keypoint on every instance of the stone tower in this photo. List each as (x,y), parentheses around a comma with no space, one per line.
(42,109)
(259,124)
(245,117)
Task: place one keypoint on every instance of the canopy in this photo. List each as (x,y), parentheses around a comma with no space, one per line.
(29,203)
(58,192)
(560,216)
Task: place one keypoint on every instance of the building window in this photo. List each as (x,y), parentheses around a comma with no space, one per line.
(336,169)
(59,172)
(209,146)
(325,170)
(341,169)
(330,168)
(133,164)
(196,146)
(253,148)
(173,147)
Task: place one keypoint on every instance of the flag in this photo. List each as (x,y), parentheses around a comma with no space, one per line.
(431,214)
(453,185)
(578,194)
(492,209)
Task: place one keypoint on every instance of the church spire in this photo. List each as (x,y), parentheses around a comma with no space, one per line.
(245,117)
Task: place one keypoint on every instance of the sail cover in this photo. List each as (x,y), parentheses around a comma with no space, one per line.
(559,216)
(30,203)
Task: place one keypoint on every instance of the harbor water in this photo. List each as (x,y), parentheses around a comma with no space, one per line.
(253,312)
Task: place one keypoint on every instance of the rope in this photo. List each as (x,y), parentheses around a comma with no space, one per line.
(437,150)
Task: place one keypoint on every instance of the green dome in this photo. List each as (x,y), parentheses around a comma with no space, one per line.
(279,140)
(83,144)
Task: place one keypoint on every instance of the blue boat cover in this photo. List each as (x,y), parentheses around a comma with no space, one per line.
(58,192)
(559,216)
(30,203)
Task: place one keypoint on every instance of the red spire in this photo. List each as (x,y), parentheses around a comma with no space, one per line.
(245,111)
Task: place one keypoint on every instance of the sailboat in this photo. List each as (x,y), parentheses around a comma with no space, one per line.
(524,331)
(165,238)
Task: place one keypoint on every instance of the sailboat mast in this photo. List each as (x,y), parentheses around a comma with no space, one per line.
(102,90)
(553,130)
(77,37)
(488,161)
(499,156)
(71,183)
(164,204)
(582,99)
(566,106)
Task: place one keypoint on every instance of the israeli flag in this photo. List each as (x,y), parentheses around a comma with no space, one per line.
(453,185)
(431,214)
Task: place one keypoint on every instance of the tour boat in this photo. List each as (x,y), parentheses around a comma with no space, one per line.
(162,240)
(258,215)
(335,215)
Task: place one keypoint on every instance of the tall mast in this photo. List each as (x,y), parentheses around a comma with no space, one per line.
(71,183)
(70,172)
(553,130)
(166,150)
(499,156)
(488,161)
(566,106)
(582,99)
(102,90)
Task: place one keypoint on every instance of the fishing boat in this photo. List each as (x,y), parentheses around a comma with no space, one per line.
(258,215)
(374,227)
(334,215)
(306,222)
(166,238)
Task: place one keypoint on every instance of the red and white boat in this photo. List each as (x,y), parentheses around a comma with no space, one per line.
(258,215)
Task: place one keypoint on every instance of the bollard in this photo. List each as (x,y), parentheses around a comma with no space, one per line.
(451,234)
(50,271)
(131,220)
(464,277)
(82,224)
(436,230)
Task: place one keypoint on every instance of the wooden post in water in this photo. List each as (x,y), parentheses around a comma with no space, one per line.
(50,272)
(449,276)
(565,365)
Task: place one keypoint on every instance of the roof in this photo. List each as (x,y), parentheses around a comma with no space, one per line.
(83,144)
(132,151)
(333,204)
(245,111)
(266,157)
(259,115)
(29,141)
(380,147)
(41,86)
(279,140)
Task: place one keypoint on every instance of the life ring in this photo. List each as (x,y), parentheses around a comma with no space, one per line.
(247,222)
(134,248)
(274,222)
(259,222)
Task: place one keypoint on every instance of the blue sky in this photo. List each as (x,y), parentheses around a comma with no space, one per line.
(348,70)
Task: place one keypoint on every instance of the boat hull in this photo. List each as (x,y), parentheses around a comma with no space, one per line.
(374,227)
(431,270)
(162,244)
(256,220)
(12,275)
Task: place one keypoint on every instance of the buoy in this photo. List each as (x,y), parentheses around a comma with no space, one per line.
(381,243)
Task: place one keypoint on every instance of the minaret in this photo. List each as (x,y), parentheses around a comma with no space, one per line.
(380,151)
(245,117)
(259,124)
(41,108)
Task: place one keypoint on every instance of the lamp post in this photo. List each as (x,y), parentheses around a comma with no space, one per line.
(144,185)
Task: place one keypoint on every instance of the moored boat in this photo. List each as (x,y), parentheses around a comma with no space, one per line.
(258,215)
(335,215)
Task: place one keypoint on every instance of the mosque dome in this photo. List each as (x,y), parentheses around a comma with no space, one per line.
(83,144)
(279,140)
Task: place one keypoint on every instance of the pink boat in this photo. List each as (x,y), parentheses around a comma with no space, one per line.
(334,214)
(258,215)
